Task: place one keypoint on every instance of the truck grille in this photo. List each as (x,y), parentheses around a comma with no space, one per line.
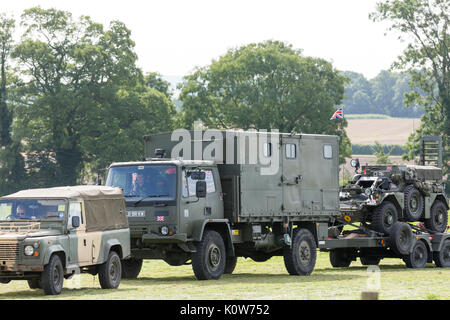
(9,251)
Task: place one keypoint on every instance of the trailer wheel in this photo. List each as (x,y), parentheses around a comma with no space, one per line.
(340,258)
(438,217)
(414,203)
(230,265)
(131,268)
(300,257)
(442,257)
(208,262)
(384,217)
(401,238)
(418,257)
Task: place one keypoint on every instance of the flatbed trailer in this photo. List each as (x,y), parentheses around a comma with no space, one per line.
(413,244)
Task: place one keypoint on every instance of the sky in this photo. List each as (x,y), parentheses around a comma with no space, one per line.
(174,36)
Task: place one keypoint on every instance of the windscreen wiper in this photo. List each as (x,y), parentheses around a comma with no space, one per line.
(151,196)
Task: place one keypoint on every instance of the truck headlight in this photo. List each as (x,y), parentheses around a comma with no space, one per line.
(164,230)
(29,250)
(368,192)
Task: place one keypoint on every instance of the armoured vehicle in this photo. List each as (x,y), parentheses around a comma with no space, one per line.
(242,194)
(47,235)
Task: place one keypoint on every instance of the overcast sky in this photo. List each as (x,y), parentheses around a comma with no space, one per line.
(174,36)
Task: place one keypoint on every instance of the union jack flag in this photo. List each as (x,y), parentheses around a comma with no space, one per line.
(339,114)
(160,218)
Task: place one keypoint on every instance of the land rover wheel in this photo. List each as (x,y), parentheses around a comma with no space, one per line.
(442,258)
(131,268)
(340,258)
(384,217)
(52,277)
(401,238)
(208,262)
(300,257)
(414,203)
(110,272)
(34,283)
(418,257)
(438,217)
(230,265)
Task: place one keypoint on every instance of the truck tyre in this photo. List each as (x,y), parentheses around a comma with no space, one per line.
(230,265)
(131,268)
(52,277)
(442,257)
(401,238)
(34,283)
(369,261)
(110,272)
(384,217)
(438,217)
(414,203)
(340,258)
(208,262)
(300,257)
(418,257)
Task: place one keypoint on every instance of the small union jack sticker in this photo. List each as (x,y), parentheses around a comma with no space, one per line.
(160,218)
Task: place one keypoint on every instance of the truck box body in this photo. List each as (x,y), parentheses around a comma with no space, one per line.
(264,176)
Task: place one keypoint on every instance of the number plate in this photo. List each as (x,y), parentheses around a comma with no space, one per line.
(135,213)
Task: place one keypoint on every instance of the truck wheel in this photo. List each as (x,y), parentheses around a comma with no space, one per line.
(369,261)
(340,258)
(230,265)
(384,217)
(438,217)
(208,262)
(131,268)
(300,257)
(414,203)
(52,277)
(401,238)
(34,283)
(110,272)
(418,257)
(442,258)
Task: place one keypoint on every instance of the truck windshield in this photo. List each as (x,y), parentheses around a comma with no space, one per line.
(20,209)
(149,181)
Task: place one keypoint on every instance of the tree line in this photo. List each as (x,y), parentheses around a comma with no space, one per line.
(72,99)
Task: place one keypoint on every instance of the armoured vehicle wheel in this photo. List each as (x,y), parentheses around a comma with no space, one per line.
(34,283)
(384,217)
(370,261)
(110,272)
(131,268)
(208,262)
(340,258)
(401,238)
(300,257)
(230,265)
(442,258)
(414,203)
(53,276)
(418,257)
(438,217)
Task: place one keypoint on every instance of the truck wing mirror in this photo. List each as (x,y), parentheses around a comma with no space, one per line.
(75,222)
(200,189)
(197,175)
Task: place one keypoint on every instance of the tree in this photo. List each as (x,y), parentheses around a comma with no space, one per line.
(266,85)
(378,152)
(424,24)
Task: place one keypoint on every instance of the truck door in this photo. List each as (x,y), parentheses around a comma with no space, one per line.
(292,174)
(80,246)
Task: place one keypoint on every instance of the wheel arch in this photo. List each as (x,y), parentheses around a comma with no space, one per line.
(219,225)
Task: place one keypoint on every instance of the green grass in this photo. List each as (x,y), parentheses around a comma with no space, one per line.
(259,281)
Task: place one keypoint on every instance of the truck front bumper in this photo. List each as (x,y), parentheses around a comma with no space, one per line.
(154,238)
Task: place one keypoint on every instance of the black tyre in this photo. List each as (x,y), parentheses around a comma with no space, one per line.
(340,258)
(230,265)
(438,217)
(414,203)
(300,257)
(34,283)
(442,257)
(370,261)
(418,257)
(131,268)
(401,238)
(384,217)
(52,277)
(208,262)
(110,272)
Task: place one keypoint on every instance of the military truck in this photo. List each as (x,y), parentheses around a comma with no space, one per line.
(381,195)
(47,235)
(242,194)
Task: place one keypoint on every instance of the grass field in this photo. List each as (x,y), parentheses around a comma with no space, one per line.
(259,281)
